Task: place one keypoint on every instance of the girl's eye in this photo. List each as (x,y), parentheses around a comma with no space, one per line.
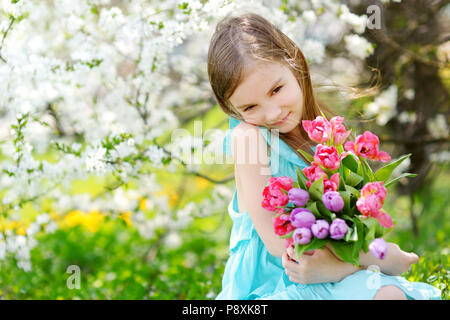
(248,108)
(277,89)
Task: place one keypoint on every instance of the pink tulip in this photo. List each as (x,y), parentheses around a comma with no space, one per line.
(332,184)
(377,188)
(328,156)
(273,196)
(282,224)
(367,146)
(319,129)
(338,130)
(371,202)
(370,205)
(372,198)
(313,173)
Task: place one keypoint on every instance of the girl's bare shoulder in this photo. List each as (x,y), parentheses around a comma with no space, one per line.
(248,145)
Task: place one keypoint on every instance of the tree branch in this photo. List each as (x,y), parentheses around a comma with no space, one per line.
(11,21)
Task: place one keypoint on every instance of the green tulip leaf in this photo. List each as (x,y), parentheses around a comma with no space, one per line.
(316,189)
(353,179)
(393,181)
(385,172)
(306,155)
(350,162)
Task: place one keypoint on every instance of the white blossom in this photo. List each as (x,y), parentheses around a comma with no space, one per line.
(438,126)
(384,106)
(358,46)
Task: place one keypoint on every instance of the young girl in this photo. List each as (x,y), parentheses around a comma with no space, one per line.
(261,80)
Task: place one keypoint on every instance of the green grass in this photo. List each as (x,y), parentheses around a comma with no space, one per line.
(115,263)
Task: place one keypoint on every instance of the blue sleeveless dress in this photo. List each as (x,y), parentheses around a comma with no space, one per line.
(252,273)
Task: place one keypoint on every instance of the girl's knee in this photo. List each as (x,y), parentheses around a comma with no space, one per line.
(390,293)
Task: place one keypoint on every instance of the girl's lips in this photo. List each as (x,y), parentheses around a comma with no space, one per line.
(282,121)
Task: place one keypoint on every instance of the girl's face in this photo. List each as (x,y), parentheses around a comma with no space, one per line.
(269,96)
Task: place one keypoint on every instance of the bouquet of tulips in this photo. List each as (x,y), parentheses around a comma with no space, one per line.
(338,198)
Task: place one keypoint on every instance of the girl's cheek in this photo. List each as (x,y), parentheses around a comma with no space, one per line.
(253,120)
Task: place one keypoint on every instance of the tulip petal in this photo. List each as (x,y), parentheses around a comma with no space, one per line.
(384,219)
(349,146)
(383,156)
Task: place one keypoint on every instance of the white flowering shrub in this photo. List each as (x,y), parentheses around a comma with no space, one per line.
(88,87)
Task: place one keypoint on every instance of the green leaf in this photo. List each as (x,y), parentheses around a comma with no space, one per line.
(350,162)
(287,235)
(348,235)
(360,239)
(323,210)
(353,179)
(314,244)
(367,170)
(393,181)
(341,186)
(313,208)
(301,180)
(344,250)
(353,191)
(316,189)
(385,172)
(346,195)
(306,155)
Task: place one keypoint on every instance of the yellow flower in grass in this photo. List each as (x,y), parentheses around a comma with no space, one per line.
(73,218)
(91,220)
(17,227)
(173,198)
(126,216)
(21,230)
(142,204)
(201,183)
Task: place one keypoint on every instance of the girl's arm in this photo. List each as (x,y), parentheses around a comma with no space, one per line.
(395,263)
(252,173)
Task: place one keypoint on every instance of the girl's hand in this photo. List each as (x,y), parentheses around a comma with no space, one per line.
(315,266)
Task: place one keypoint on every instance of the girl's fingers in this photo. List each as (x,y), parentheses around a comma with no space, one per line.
(290,250)
(289,265)
(284,259)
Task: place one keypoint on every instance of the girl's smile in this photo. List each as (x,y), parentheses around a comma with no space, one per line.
(277,124)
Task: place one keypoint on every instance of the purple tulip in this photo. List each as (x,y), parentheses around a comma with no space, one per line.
(338,229)
(378,248)
(302,218)
(302,235)
(333,201)
(320,229)
(299,197)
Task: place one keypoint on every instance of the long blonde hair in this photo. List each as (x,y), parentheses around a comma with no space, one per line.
(238,40)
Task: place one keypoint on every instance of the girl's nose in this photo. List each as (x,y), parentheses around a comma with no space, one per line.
(273,113)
